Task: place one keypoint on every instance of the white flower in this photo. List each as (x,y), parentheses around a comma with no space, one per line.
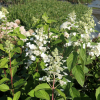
(62,89)
(27,33)
(74,33)
(70,43)
(65,73)
(46,69)
(43,55)
(65,25)
(84,46)
(89,44)
(37,37)
(43,49)
(66,34)
(62,82)
(91,53)
(68,80)
(59,76)
(33,57)
(41,39)
(44,42)
(31,39)
(26,49)
(40,79)
(82,35)
(26,54)
(37,52)
(27,44)
(65,67)
(32,46)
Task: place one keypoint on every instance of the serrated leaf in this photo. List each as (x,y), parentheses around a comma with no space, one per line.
(3,80)
(4,87)
(61,93)
(1,47)
(31,93)
(42,94)
(79,74)
(42,86)
(17,95)
(72,60)
(17,49)
(3,63)
(19,83)
(97,93)
(14,70)
(45,17)
(74,93)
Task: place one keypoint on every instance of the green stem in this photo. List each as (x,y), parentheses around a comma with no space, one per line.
(11,75)
(53,88)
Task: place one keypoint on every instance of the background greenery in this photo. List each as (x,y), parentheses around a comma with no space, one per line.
(56,10)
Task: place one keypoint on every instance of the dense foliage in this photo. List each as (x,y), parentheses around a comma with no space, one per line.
(56,10)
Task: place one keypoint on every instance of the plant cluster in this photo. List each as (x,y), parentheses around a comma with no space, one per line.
(47,63)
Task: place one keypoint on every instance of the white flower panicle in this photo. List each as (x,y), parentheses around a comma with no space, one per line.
(54,68)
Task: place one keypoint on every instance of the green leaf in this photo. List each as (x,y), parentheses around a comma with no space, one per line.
(42,86)
(83,53)
(42,64)
(16,30)
(1,47)
(53,30)
(19,83)
(14,70)
(56,42)
(89,60)
(3,80)
(45,27)
(50,21)
(17,49)
(20,42)
(3,63)
(79,74)
(9,98)
(86,70)
(42,94)
(36,75)
(61,93)
(12,34)
(31,93)
(17,95)
(45,17)
(72,60)
(74,93)
(28,98)
(98,93)
(21,36)
(4,87)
